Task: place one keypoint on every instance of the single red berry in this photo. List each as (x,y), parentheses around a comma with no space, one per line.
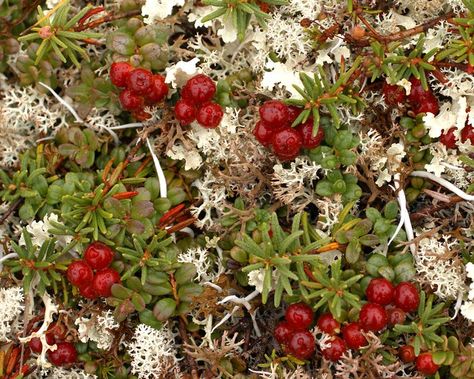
(274,113)
(407,297)
(65,354)
(302,344)
(104,280)
(336,348)
(417,91)
(467,133)
(425,364)
(308,140)
(98,255)
(158,89)
(396,315)
(79,273)
(407,354)
(428,104)
(293,113)
(380,291)
(88,292)
(328,324)
(140,81)
(119,73)
(199,89)
(209,115)
(353,336)
(299,316)
(58,331)
(263,133)
(393,94)
(373,317)
(36,345)
(130,101)
(283,332)
(185,112)
(448,139)
(287,143)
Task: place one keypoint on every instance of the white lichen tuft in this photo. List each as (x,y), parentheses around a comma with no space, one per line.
(97,328)
(201,258)
(11,307)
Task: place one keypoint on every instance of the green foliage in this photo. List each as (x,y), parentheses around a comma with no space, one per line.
(81,147)
(395,268)
(337,183)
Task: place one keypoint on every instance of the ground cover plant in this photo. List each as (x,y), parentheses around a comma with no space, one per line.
(236,189)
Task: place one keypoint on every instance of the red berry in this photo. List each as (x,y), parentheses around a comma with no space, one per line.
(328,324)
(467,134)
(373,317)
(287,143)
(428,104)
(425,364)
(140,81)
(119,73)
(185,112)
(104,280)
(393,94)
(353,336)
(98,255)
(293,113)
(302,344)
(263,133)
(299,316)
(199,89)
(306,131)
(407,297)
(380,291)
(130,101)
(448,139)
(79,273)
(88,292)
(210,115)
(336,348)
(396,315)
(283,332)
(274,113)
(58,331)
(407,354)
(416,91)
(36,345)
(65,354)
(158,89)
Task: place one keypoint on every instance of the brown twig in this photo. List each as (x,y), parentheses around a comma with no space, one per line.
(8,26)
(10,210)
(108,18)
(184,336)
(422,213)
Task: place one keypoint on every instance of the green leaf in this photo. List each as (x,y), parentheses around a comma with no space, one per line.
(147,317)
(286,243)
(217,13)
(189,291)
(353,251)
(164,309)
(267,284)
(185,273)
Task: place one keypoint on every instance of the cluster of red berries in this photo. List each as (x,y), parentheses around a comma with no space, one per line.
(140,88)
(274,129)
(56,334)
(421,101)
(98,258)
(449,140)
(195,103)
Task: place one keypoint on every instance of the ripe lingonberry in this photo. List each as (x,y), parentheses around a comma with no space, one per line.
(428,104)
(58,331)
(417,91)
(396,315)
(199,89)
(467,133)
(79,273)
(119,73)
(299,316)
(380,291)
(36,345)
(274,113)
(88,292)
(407,354)
(139,81)
(158,89)
(336,348)
(425,364)
(293,113)
(393,94)
(407,297)
(302,344)
(65,354)
(98,255)
(373,317)
(308,140)
(448,139)
(328,324)
(286,143)
(283,332)
(263,133)
(104,280)
(185,112)
(129,101)
(353,336)
(209,115)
